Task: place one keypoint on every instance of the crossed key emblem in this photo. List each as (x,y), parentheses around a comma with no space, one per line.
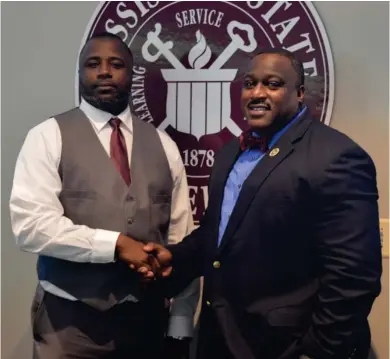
(236,43)
(211,84)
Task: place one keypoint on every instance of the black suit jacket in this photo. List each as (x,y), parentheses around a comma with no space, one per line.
(299,265)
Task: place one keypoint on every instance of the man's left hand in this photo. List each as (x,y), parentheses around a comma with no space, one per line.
(176,349)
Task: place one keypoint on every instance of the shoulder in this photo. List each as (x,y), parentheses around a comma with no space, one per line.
(44,130)
(330,143)
(170,146)
(172,153)
(50,126)
(42,143)
(337,159)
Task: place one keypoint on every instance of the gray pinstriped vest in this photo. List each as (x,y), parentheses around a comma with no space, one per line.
(94,194)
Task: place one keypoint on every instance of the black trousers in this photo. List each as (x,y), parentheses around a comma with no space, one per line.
(64,329)
(211,343)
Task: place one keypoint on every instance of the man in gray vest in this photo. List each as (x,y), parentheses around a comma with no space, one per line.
(87,182)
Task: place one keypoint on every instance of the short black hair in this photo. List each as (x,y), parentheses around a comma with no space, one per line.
(295,62)
(108,35)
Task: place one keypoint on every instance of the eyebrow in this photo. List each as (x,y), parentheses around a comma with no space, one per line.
(98,58)
(252,75)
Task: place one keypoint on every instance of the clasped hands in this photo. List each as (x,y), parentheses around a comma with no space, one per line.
(150,260)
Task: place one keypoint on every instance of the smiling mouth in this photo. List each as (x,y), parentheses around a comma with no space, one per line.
(258,109)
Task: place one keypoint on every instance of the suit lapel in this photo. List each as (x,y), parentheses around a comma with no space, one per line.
(272,159)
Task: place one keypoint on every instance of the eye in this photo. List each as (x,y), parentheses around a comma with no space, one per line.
(274,85)
(92,64)
(117,65)
(249,83)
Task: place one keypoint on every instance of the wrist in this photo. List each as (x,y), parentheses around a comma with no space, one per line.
(120,245)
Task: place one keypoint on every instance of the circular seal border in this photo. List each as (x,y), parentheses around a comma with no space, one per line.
(311,12)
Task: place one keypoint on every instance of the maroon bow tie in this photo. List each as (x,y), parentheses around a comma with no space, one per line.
(248,141)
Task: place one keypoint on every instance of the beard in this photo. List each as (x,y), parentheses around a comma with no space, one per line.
(114,104)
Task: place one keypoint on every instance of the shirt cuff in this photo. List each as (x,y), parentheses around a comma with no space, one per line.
(180,327)
(103,246)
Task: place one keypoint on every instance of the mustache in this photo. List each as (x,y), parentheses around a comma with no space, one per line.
(103,83)
(257,102)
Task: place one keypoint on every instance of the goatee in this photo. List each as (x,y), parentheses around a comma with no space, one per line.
(114,105)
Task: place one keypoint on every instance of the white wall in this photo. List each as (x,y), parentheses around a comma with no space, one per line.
(40,42)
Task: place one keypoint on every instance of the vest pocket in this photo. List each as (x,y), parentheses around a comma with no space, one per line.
(161,199)
(160,213)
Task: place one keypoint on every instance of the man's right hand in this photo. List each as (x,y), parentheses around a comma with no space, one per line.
(164,258)
(132,252)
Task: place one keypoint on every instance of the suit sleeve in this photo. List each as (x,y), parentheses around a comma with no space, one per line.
(346,229)
(188,256)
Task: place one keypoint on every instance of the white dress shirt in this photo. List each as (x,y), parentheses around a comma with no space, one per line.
(38,220)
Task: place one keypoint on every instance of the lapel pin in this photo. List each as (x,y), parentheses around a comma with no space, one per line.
(274,152)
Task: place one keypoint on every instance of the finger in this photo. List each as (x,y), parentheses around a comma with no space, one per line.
(142,270)
(145,272)
(150,247)
(145,265)
(148,276)
(166,272)
(154,263)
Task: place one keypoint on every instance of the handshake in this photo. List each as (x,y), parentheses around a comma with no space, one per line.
(150,261)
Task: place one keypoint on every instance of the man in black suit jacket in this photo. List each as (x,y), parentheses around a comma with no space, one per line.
(289,246)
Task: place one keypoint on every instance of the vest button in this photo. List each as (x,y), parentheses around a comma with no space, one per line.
(208,303)
(217,264)
(130,220)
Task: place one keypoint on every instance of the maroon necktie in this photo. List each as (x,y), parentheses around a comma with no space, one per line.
(118,150)
(248,141)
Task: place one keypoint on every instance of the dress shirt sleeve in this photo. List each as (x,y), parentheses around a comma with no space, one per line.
(184,305)
(37,216)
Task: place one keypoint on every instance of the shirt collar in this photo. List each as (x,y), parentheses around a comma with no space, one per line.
(278,134)
(100,118)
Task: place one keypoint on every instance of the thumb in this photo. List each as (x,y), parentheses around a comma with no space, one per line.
(150,247)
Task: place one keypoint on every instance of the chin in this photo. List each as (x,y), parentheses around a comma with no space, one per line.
(107,99)
(259,123)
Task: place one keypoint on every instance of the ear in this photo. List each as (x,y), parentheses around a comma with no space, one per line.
(301,93)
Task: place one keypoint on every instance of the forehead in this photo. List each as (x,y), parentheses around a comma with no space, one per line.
(272,64)
(104,47)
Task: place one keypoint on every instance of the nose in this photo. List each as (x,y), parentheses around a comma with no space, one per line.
(259,92)
(104,70)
